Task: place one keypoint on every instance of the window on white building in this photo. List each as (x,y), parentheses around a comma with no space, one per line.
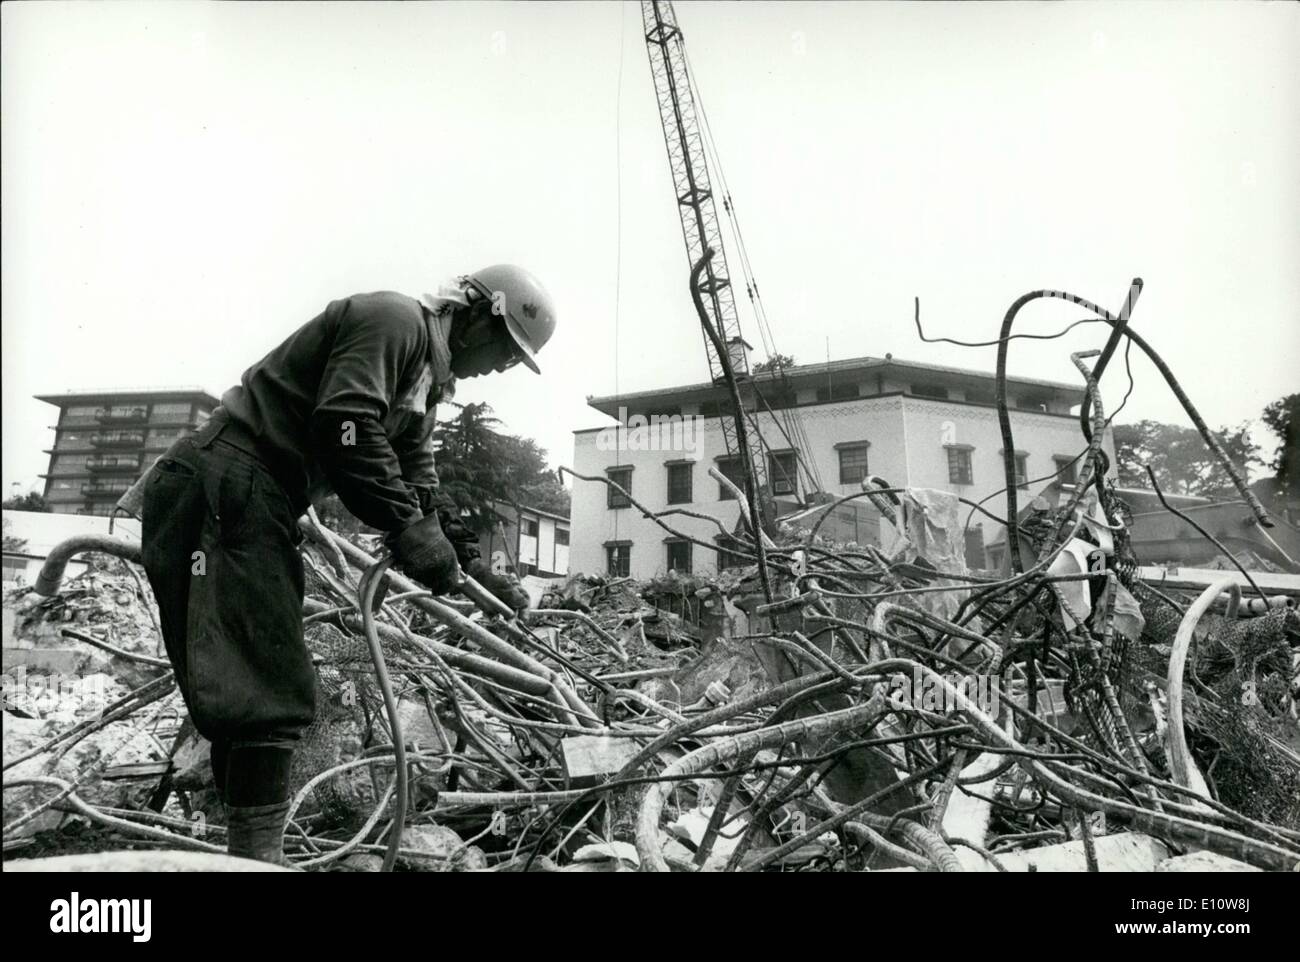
(530,527)
(733,471)
(679,557)
(1024,403)
(838,392)
(853,462)
(679,483)
(930,390)
(727,559)
(1067,468)
(618,559)
(959,465)
(623,478)
(1021,467)
(561,535)
(782,472)
(778,400)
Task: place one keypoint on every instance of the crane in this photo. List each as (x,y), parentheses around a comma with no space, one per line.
(687,143)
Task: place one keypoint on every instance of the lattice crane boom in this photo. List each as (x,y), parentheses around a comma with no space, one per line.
(701,229)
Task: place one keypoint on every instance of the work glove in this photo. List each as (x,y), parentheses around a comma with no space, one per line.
(510,592)
(462,539)
(425,554)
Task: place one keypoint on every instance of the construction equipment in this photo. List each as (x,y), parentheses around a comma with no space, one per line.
(688,142)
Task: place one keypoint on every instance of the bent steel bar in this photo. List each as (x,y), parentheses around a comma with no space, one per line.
(1119,320)
(56,563)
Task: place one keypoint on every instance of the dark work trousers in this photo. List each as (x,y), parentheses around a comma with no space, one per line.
(221,551)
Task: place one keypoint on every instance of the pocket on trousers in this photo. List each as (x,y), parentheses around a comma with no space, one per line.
(232,502)
(165,486)
(169,469)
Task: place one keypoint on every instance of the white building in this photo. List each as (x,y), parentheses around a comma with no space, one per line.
(911,424)
(528,541)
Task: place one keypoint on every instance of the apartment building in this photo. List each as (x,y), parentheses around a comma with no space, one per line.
(910,423)
(104,440)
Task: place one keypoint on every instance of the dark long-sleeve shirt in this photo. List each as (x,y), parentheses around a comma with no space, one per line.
(338,406)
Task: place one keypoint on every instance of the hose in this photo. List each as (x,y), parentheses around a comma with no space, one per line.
(1182,766)
(370,582)
(56,562)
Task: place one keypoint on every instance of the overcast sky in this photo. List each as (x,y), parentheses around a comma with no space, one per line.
(185,184)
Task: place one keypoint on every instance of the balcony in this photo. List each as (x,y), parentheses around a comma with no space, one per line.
(105,489)
(122,414)
(118,439)
(113,464)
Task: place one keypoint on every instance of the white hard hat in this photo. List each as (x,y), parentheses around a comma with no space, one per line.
(517,296)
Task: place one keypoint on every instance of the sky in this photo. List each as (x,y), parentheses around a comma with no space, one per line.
(185,184)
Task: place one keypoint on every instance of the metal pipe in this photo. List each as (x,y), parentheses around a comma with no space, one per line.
(56,562)
(1181,764)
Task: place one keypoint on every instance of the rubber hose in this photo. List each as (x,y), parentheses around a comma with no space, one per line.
(369,586)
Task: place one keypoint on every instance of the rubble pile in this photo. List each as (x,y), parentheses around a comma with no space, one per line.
(84,697)
(695,725)
(822,707)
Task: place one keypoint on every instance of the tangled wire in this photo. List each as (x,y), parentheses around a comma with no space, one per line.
(905,715)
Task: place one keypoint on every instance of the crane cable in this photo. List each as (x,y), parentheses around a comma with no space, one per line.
(794,423)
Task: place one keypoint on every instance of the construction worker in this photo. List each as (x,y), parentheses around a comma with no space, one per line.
(344,404)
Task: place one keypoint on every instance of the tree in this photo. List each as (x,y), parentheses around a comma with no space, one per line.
(12,543)
(32,501)
(1283,418)
(478,465)
(1179,457)
(527,480)
(470,471)
(777,362)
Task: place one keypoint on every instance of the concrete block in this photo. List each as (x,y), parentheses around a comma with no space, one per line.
(587,757)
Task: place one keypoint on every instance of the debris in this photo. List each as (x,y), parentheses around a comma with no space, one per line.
(141,862)
(1122,852)
(607,857)
(444,850)
(832,708)
(1204,862)
(588,758)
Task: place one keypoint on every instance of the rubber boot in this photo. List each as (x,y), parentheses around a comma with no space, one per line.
(257,801)
(219,753)
(257,831)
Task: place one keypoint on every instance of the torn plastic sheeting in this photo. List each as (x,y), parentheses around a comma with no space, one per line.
(933,532)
